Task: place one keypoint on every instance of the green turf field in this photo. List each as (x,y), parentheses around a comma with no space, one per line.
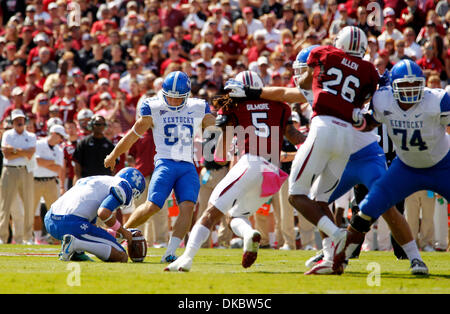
(36,269)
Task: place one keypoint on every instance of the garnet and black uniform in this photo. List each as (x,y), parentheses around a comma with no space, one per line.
(256,176)
(341,82)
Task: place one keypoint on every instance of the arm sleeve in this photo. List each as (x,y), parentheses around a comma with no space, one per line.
(207,109)
(375,114)
(445,109)
(118,196)
(144,109)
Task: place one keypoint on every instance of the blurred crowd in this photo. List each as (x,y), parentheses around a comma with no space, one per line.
(67,62)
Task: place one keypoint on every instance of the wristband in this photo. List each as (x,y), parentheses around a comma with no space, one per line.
(112,232)
(362,127)
(252,93)
(116,226)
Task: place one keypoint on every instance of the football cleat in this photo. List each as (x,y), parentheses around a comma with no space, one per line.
(315,259)
(418,267)
(182,264)
(251,246)
(169,258)
(345,244)
(67,248)
(81,257)
(324,267)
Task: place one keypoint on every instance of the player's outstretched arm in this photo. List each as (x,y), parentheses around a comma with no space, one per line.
(139,128)
(283,94)
(238,91)
(293,135)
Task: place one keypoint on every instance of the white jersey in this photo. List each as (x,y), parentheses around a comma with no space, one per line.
(86,196)
(418,134)
(174,131)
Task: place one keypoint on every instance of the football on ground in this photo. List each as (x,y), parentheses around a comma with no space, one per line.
(137,249)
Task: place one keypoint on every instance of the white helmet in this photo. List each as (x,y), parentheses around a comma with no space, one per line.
(250,79)
(85,114)
(352,40)
(54,121)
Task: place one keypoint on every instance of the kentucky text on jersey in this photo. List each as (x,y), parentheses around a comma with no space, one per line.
(186,120)
(406,124)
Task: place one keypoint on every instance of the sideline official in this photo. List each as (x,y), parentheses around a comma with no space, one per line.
(18,147)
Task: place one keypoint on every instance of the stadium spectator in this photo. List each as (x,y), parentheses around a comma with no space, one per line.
(92,150)
(429,62)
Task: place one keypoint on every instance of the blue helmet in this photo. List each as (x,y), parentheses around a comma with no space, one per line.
(176,85)
(135,178)
(300,63)
(407,71)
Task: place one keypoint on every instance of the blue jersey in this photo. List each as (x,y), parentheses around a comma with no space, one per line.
(174,131)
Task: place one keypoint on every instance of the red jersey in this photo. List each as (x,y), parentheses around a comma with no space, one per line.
(144,152)
(69,149)
(340,82)
(260,118)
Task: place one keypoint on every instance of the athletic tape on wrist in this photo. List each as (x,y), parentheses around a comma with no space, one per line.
(363,125)
(116,226)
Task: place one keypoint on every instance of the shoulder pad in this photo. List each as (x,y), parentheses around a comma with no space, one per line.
(122,192)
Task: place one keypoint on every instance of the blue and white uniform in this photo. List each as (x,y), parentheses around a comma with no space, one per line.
(173,133)
(75,212)
(422,146)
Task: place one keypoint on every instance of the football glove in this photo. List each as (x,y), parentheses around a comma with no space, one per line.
(357,117)
(238,90)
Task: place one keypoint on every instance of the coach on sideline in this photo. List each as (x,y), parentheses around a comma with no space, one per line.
(47,174)
(18,147)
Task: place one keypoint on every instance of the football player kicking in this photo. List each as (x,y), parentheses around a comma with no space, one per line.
(175,119)
(416,118)
(72,217)
(260,125)
(334,76)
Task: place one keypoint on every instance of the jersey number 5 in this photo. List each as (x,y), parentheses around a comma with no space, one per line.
(416,139)
(347,92)
(262,129)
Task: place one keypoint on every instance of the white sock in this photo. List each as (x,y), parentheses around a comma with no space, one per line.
(241,227)
(174,243)
(199,234)
(327,226)
(37,234)
(411,250)
(101,250)
(327,249)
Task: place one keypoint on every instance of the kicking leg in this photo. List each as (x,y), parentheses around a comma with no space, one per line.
(180,229)
(199,234)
